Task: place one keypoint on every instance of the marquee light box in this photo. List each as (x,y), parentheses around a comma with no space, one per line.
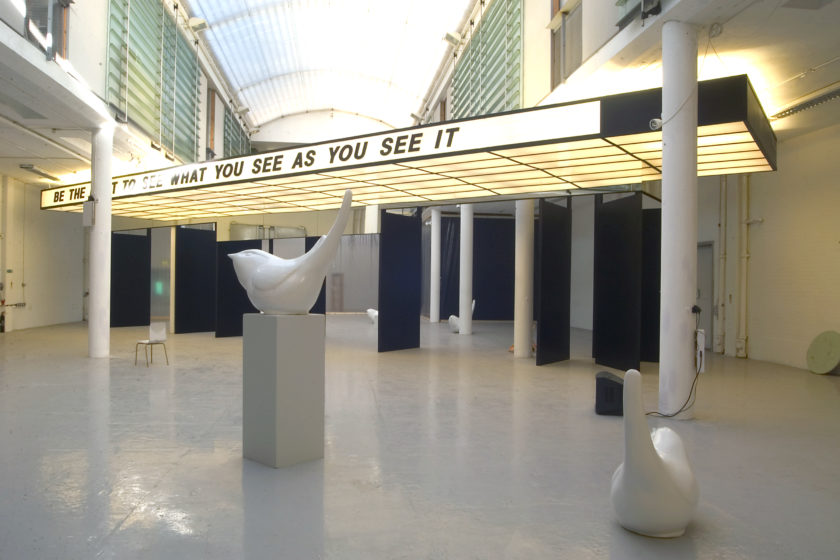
(532,152)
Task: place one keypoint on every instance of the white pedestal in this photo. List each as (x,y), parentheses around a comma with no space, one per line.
(283,388)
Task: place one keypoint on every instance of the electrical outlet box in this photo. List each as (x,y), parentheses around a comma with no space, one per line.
(700,350)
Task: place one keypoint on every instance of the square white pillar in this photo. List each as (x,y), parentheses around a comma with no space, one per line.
(283,388)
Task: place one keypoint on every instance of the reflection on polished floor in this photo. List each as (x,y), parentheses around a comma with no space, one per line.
(453,451)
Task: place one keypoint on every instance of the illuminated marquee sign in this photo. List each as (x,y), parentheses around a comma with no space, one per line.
(481,134)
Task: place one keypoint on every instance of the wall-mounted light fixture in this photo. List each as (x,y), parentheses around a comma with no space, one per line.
(453,38)
(197,24)
(37,171)
(651,8)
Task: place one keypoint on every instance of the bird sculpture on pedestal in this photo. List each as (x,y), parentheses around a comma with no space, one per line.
(654,491)
(278,286)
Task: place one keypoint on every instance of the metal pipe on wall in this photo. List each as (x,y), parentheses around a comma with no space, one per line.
(720,316)
(742,336)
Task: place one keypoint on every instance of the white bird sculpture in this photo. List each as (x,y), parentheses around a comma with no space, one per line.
(373,315)
(278,286)
(654,491)
(455,322)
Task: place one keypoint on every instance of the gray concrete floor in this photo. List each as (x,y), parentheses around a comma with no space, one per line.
(452,451)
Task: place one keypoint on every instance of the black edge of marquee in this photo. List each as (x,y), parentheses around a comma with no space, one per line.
(721,100)
(759,126)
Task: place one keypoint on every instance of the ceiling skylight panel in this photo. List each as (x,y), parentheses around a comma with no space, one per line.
(423,191)
(727,170)
(496,172)
(562,164)
(722,139)
(533,189)
(469,194)
(729,148)
(553,148)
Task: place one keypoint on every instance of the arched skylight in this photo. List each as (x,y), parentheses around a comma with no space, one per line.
(375,58)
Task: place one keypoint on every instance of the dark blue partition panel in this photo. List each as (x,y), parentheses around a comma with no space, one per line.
(195,280)
(450,265)
(131,270)
(399,282)
(320,306)
(494,243)
(554,282)
(231,298)
(617,290)
(651,251)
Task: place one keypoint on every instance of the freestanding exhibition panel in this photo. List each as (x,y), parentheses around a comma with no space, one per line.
(651,253)
(399,282)
(195,280)
(554,281)
(231,298)
(494,241)
(494,247)
(131,271)
(617,290)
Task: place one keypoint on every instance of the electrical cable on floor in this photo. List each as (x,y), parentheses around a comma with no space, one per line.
(692,393)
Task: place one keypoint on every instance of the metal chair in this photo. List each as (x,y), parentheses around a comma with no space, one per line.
(157,335)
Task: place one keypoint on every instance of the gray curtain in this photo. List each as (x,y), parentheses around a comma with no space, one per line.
(353,277)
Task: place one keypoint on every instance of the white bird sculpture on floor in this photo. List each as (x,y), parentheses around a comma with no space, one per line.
(278,286)
(455,322)
(654,491)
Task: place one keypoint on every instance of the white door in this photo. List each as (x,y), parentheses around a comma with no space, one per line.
(706,288)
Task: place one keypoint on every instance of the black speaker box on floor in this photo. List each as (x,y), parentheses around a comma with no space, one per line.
(609,394)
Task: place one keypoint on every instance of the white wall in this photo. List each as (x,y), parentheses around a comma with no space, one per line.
(794,277)
(315,222)
(44,251)
(218,127)
(87,42)
(599,25)
(536,52)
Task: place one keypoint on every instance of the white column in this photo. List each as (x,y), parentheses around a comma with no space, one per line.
(372,218)
(523,291)
(465,295)
(99,316)
(679,216)
(434,266)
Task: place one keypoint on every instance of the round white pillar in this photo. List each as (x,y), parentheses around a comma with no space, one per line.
(679,216)
(523,291)
(434,266)
(465,279)
(99,299)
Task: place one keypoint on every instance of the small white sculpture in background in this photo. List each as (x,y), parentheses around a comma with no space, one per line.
(654,491)
(455,324)
(373,315)
(278,286)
